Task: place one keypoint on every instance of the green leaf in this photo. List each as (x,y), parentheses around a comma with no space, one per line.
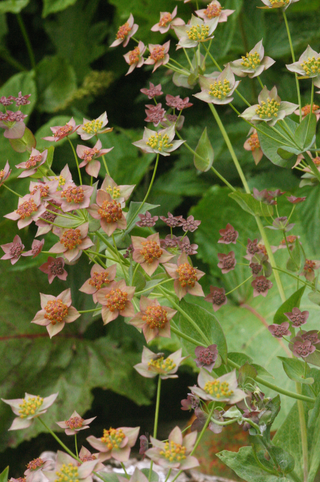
(4,475)
(247,372)
(306,131)
(296,255)
(292,302)
(154,475)
(272,139)
(314,436)
(295,369)
(245,466)
(53,6)
(109,477)
(251,205)
(56,81)
(23,82)
(285,154)
(13,6)
(25,143)
(133,217)
(209,325)
(204,158)
(314,297)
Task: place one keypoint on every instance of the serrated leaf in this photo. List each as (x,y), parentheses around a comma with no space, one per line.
(203,159)
(251,205)
(209,325)
(295,369)
(292,302)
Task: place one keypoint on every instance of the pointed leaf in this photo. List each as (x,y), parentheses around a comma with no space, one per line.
(251,205)
(4,475)
(295,369)
(203,159)
(305,133)
(271,141)
(292,302)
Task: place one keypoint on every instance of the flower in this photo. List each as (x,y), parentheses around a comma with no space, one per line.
(227,262)
(72,242)
(144,444)
(28,408)
(109,212)
(206,357)
(158,55)
(312,335)
(22,99)
(75,423)
(56,312)
(253,144)
(177,103)
(305,110)
(35,467)
(89,129)
(13,250)
(159,142)
(264,196)
(308,65)
(155,114)
(172,221)
(278,331)
(5,173)
(195,32)
(12,123)
(59,132)
(99,278)
(146,220)
(134,57)
(190,224)
(190,403)
(222,389)
(115,191)
(308,269)
(153,319)
(36,248)
(297,317)
(31,165)
(296,200)
(29,208)
(214,10)
(153,364)
(85,455)
(115,301)
(278,3)
(44,222)
(148,253)
(228,235)
(269,108)
(54,267)
(125,32)
(261,285)
(218,87)
(153,91)
(300,347)
(115,442)
(185,277)
(68,469)
(217,297)
(167,21)
(90,155)
(253,63)
(73,197)
(175,453)
(281,224)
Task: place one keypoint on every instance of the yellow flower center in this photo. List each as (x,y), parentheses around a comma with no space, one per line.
(279,3)
(198,32)
(157,53)
(212,11)
(311,66)
(71,238)
(167,18)
(187,275)
(219,89)
(155,317)
(173,452)
(56,311)
(26,209)
(160,365)
(116,300)
(268,109)
(218,389)
(251,61)
(110,211)
(30,406)
(73,194)
(123,31)
(68,473)
(134,56)
(159,142)
(99,280)
(92,127)
(150,251)
(113,438)
(113,191)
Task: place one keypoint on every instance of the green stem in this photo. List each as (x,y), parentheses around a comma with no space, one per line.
(27,41)
(7,57)
(77,162)
(303,431)
(186,337)
(124,469)
(105,165)
(260,82)
(243,282)
(293,59)
(156,420)
(297,396)
(76,444)
(58,440)
(9,189)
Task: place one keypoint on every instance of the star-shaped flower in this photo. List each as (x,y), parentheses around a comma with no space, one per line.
(125,32)
(308,65)
(89,128)
(28,408)
(72,242)
(218,87)
(167,21)
(116,442)
(222,389)
(134,57)
(115,301)
(89,156)
(153,364)
(158,55)
(148,253)
(214,10)
(31,166)
(59,132)
(159,142)
(253,63)
(185,277)
(68,469)
(75,423)
(195,32)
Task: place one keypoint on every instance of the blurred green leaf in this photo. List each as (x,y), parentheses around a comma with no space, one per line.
(13,6)
(54,6)
(4,475)
(23,82)
(251,205)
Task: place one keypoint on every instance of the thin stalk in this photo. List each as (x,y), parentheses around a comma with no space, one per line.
(77,162)
(5,56)
(13,192)
(124,469)
(105,165)
(303,431)
(260,82)
(187,56)
(186,337)
(297,396)
(76,444)
(293,59)
(243,282)
(27,41)
(156,420)
(58,440)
